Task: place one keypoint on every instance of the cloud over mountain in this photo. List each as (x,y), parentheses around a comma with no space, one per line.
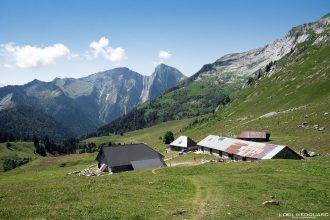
(163,55)
(103,49)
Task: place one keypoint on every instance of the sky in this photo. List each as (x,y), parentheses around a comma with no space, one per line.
(43,39)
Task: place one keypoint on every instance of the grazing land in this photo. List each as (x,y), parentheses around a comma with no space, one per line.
(42,190)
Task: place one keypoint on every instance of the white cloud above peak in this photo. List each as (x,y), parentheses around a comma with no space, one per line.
(103,49)
(28,56)
(164,55)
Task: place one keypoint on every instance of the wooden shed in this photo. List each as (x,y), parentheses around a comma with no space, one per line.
(258,136)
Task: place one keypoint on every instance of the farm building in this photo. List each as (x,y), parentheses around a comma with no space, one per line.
(258,136)
(128,157)
(236,149)
(183,143)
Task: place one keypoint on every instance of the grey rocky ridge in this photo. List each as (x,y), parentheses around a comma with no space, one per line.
(236,67)
(86,103)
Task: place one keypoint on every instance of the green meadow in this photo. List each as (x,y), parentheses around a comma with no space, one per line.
(42,190)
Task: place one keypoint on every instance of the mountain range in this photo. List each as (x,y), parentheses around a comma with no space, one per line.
(82,105)
(215,84)
(121,100)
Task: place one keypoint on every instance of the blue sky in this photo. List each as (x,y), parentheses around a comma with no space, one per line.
(69,38)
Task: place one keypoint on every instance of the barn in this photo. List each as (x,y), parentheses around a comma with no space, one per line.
(236,149)
(258,136)
(119,158)
(183,143)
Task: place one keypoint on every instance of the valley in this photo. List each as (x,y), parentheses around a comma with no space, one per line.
(282,88)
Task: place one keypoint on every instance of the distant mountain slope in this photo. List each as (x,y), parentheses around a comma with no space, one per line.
(84,104)
(209,88)
(24,121)
(50,99)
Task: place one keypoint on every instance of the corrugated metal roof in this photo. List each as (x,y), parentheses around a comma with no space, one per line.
(183,141)
(214,142)
(253,134)
(242,148)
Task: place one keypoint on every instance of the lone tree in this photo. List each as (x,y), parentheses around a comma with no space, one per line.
(168,137)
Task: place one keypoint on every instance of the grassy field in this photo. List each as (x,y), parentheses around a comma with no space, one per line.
(42,190)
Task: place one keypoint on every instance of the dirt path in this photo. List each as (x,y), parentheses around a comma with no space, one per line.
(170,158)
(154,170)
(200,200)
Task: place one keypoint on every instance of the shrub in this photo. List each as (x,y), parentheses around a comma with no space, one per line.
(10,164)
(168,137)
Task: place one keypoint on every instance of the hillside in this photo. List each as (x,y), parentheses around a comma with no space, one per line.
(51,100)
(23,122)
(215,84)
(293,104)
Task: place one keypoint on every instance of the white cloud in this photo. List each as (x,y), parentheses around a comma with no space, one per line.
(164,55)
(7,66)
(102,48)
(32,57)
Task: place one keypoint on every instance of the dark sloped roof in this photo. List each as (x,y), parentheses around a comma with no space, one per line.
(150,163)
(124,154)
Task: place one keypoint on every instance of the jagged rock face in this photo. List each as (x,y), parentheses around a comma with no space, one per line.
(163,78)
(113,93)
(87,103)
(234,68)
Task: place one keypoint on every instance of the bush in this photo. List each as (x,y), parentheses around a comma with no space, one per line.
(8,145)
(168,137)
(250,81)
(10,164)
